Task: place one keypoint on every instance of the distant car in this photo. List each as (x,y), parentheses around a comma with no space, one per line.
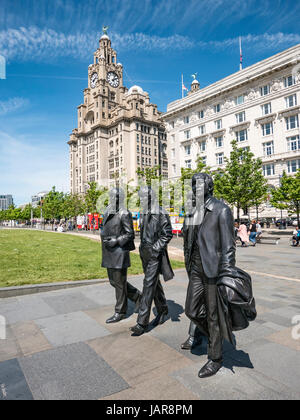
(295,222)
(280,222)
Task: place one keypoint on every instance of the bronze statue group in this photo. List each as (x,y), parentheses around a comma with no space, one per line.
(219,297)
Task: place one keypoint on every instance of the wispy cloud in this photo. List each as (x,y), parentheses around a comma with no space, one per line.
(35,44)
(261,42)
(12,104)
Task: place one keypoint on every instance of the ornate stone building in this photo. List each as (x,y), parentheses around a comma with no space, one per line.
(118,131)
(258,106)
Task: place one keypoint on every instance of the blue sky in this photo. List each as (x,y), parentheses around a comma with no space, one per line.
(48,45)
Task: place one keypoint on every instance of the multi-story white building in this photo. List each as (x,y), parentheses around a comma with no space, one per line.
(258,106)
(6,201)
(118,130)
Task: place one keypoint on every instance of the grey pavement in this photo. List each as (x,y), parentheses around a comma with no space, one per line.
(58,345)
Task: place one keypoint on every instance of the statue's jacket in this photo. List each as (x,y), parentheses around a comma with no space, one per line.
(118,226)
(216,243)
(158,234)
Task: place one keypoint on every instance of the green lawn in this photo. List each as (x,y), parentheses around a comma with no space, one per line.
(29,257)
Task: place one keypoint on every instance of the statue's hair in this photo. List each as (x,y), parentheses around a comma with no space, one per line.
(147,189)
(208,181)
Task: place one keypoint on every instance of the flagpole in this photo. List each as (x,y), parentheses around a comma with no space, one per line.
(182,86)
(241,54)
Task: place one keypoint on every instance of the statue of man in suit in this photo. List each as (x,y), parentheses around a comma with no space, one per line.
(194,338)
(209,248)
(117,241)
(155,234)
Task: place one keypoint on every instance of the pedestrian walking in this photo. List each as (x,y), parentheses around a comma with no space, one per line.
(296,236)
(253,232)
(258,230)
(243,235)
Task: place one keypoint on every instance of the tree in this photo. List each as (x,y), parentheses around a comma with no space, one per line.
(241,183)
(53,205)
(287,195)
(91,197)
(73,205)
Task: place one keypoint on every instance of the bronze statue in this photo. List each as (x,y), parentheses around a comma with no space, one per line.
(195,337)
(117,241)
(219,297)
(155,234)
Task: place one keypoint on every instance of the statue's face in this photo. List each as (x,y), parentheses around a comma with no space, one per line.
(199,188)
(113,195)
(189,203)
(145,198)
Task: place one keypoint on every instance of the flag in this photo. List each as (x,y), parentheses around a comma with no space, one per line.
(183,88)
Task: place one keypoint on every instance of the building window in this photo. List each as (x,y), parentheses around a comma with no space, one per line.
(269,170)
(203,158)
(186,119)
(220,158)
(218,124)
(239,100)
(174,169)
(202,129)
(138,148)
(172,125)
(188,164)
(289,81)
(240,117)
(201,114)
(187,134)
(266,108)
(137,138)
(267,129)
(292,122)
(265,90)
(187,150)
(291,101)
(241,135)
(268,148)
(293,143)
(219,141)
(217,108)
(202,146)
(293,166)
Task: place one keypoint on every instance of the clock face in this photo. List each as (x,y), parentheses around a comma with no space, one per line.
(112,79)
(94,79)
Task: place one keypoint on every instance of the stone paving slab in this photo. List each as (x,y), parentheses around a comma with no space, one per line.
(13,385)
(30,338)
(70,302)
(26,308)
(142,358)
(242,384)
(70,372)
(70,328)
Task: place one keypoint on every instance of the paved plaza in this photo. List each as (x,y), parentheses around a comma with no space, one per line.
(58,345)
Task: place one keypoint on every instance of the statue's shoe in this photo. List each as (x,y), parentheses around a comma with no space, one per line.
(209,369)
(191,342)
(115,318)
(138,330)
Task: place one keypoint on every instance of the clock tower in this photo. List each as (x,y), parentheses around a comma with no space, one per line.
(118,129)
